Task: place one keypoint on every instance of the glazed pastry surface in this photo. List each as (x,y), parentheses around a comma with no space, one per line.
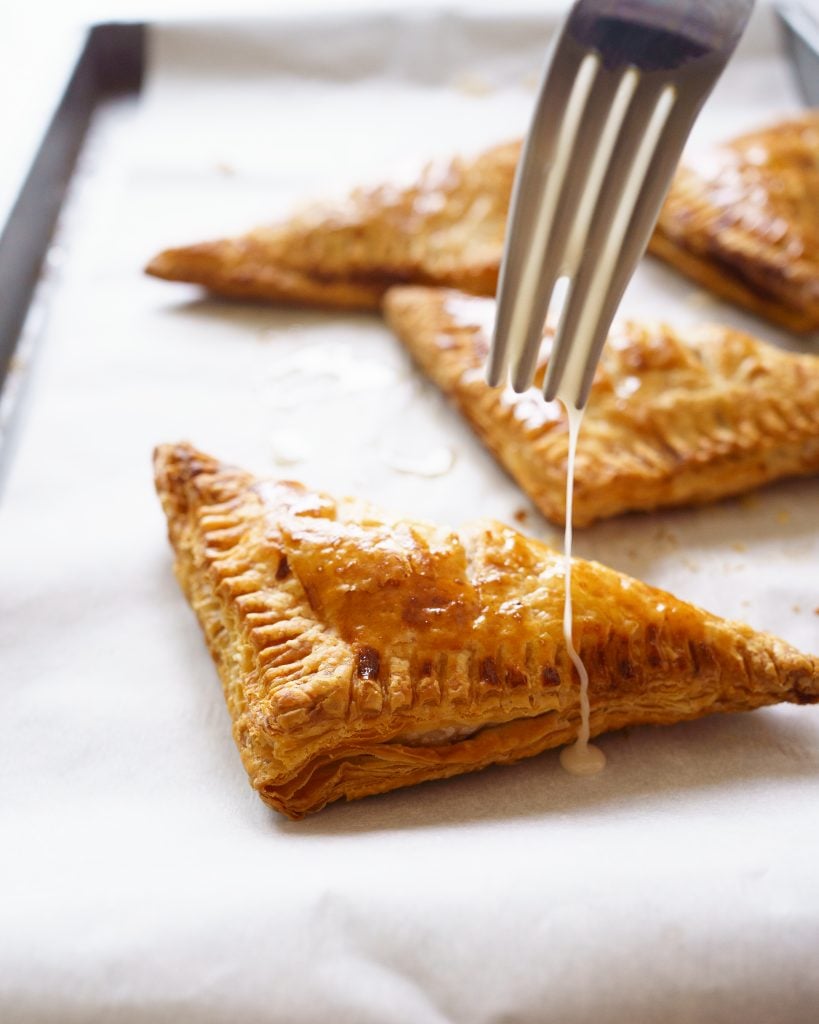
(744,222)
(360,653)
(445,229)
(674,418)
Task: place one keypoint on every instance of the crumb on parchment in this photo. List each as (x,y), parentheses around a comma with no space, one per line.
(470,83)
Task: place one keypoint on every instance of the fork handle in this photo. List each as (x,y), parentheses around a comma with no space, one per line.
(657,34)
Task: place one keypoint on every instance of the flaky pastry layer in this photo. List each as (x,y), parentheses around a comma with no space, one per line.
(674,418)
(361,653)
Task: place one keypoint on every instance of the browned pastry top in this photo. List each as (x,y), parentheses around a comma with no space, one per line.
(748,213)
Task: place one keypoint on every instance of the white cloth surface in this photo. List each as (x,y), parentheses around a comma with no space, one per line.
(142,879)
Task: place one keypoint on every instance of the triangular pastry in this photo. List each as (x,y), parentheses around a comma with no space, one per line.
(445,229)
(674,418)
(361,653)
(744,222)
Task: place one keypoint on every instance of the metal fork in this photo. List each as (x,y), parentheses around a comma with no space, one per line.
(621,91)
(802,39)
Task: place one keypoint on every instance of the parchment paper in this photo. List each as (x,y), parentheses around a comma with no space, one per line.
(142,879)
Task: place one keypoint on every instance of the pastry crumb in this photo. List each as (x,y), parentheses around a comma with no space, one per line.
(783,517)
(667,537)
(699,299)
(796,609)
(739,546)
(520,515)
(471,84)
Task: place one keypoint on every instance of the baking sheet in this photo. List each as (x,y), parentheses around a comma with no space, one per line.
(143,880)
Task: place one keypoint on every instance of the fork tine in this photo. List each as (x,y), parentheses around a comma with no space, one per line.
(541,169)
(642,224)
(579,192)
(651,141)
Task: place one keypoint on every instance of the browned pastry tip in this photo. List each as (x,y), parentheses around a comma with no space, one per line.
(360,653)
(197,263)
(674,417)
(237,269)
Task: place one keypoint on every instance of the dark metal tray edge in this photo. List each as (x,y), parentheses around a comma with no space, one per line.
(111,61)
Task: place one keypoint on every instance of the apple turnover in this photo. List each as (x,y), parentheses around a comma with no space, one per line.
(360,653)
(744,222)
(672,419)
(445,229)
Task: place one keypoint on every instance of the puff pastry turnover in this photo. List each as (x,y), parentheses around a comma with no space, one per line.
(361,653)
(446,229)
(673,419)
(744,222)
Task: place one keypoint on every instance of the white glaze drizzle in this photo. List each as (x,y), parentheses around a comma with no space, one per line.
(582,757)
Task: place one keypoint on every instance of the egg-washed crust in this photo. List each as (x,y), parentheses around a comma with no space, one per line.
(445,229)
(744,222)
(361,653)
(674,418)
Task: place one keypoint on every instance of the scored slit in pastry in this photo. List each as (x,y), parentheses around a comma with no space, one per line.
(360,653)
(445,229)
(674,418)
(743,221)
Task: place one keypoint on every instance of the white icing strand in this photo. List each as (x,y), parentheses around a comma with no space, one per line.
(581,758)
